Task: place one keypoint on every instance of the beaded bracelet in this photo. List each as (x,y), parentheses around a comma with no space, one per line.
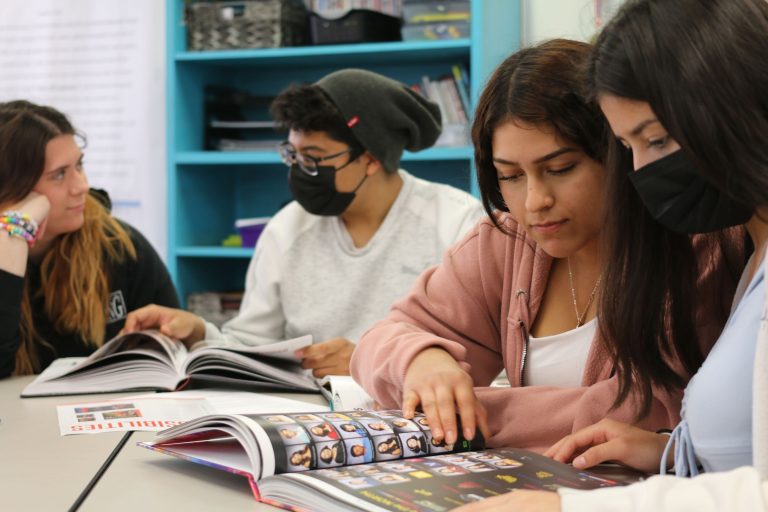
(22,220)
(20,225)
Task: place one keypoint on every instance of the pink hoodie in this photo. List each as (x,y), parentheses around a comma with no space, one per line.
(478,305)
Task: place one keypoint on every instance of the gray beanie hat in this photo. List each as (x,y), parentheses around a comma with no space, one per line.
(386,116)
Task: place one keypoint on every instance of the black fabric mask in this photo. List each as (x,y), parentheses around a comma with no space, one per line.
(678,197)
(318,194)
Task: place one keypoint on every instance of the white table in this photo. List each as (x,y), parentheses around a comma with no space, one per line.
(140,479)
(39,469)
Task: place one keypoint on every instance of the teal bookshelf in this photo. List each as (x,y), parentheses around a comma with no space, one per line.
(209,190)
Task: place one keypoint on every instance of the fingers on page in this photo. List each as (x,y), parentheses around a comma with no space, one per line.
(465,400)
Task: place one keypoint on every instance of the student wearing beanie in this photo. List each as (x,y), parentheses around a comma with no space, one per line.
(359,232)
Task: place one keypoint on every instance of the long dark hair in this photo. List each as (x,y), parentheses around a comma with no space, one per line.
(701,67)
(541,85)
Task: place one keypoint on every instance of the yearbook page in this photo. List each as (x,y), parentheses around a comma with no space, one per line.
(424,484)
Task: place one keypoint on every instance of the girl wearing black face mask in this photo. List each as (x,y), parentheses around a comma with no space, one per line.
(684,86)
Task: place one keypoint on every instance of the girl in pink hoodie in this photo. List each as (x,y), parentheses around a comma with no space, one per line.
(520,292)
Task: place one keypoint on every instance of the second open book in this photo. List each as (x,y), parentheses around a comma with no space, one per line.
(360,460)
(148,360)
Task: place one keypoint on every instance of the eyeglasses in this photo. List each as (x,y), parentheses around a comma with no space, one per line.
(308,164)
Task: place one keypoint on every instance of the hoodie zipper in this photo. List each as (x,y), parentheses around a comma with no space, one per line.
(524,332)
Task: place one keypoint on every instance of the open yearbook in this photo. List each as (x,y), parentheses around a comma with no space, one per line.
(360,460)
(148,360)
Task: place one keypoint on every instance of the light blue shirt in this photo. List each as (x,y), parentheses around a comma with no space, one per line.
(716,426)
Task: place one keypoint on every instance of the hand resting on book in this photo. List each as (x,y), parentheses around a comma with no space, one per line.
(435,381)
(330,357)
(174,323)
(611,440)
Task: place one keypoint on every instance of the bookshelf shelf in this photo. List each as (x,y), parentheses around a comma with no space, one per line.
(336,55)
(214,252)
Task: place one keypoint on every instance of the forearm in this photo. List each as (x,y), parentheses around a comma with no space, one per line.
(384,354)
(739,490)
(535,417)
(14,252)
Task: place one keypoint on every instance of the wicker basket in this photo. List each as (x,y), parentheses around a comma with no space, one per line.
(246,24)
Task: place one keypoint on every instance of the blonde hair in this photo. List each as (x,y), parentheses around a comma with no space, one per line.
(74,284)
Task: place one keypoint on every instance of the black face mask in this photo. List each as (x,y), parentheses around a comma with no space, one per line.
(678,197)
(318,194)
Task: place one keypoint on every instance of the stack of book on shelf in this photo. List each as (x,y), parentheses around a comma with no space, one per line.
(361,460)
(338,8)
(436,19)
(216,307)
(236,120)
(451,93)
(354,21)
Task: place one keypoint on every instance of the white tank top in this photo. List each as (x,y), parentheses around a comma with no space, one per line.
(559,360)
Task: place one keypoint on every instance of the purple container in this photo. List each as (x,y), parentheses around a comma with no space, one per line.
(250,229)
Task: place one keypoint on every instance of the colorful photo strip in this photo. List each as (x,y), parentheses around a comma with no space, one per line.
(101,408)
(333,439)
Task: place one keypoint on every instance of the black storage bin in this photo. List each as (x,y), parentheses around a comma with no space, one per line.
(357,26)
(237,120)
(246,24)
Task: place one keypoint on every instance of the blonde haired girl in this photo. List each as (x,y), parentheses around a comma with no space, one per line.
(69,271)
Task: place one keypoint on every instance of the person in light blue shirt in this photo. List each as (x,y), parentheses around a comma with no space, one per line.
(716,429)
(684,87)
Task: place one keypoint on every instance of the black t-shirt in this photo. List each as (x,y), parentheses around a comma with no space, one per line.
(132,284)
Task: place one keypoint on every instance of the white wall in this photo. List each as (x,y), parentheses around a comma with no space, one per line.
(101,62)
(572,19)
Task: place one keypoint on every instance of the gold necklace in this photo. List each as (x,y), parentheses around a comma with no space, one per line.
(580,317)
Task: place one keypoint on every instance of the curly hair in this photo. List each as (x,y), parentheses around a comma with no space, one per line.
(306,108)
